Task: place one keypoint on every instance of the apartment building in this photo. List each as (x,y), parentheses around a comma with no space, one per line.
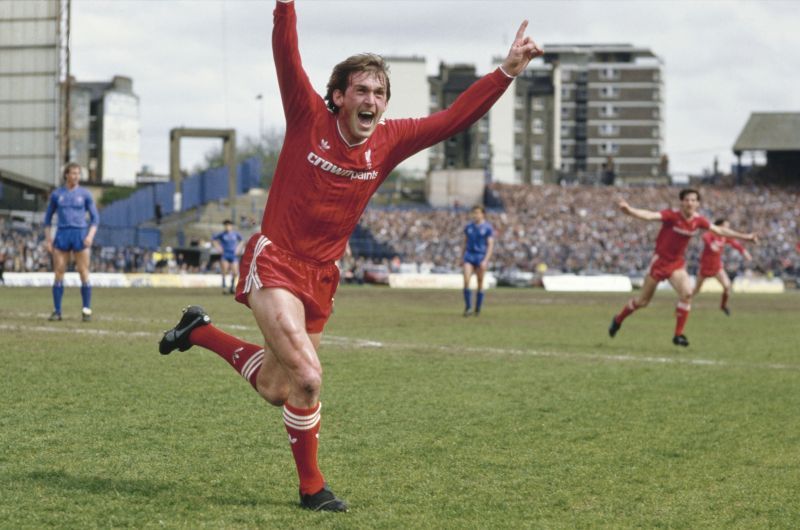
(611,106)
(583,112)
(104,130)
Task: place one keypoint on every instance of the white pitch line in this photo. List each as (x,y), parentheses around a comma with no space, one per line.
(348,342)
(75,329)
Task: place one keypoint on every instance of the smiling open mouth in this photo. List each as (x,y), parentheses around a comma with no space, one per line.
(365,118)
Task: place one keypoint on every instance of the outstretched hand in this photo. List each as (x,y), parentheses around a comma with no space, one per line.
(523,49)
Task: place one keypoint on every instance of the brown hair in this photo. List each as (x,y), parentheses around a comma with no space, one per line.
(363,62)
(687,191)
(68,167)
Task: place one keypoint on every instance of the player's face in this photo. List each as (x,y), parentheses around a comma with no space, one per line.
(361,106)
(689,204)
(477,216)
(72,177)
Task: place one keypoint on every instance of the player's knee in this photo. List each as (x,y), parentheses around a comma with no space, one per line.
(274,394)
(308,381)
(642,302)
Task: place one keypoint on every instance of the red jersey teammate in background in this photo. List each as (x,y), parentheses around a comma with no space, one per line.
(336,153)
(711,262)
(677,228)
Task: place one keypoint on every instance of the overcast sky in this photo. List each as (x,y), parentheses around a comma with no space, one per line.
(202,63)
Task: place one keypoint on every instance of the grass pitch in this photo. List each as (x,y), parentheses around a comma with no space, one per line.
(528,416)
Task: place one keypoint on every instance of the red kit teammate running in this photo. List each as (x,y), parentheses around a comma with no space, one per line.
(336,153)
(711,262)
(677,228)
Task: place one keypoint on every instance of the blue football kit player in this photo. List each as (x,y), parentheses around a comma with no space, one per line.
(478,247)
(229,242)
(74,236)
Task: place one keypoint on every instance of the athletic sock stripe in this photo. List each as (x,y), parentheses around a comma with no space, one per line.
(292,415)
(253,370)
(309,423)
(301,423)
(252,364)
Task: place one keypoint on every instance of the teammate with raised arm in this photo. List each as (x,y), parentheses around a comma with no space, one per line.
(668,263)
(478,247)
(711,262)
(73,238)
(336,153)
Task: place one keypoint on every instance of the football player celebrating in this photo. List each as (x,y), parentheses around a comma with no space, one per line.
(337,152)
(668,263)
(711,262)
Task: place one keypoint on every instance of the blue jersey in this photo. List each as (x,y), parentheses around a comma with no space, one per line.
(478,237)
(71,207)
(228,241)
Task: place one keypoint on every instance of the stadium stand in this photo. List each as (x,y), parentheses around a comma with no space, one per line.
(575,229)
(578,229)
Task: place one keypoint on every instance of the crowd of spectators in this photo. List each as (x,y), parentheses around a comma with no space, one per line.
(575,229)
(579,229)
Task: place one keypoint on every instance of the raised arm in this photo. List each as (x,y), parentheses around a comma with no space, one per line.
(729,232)
(522,51)
(471,104)
(297,94)
(638,213)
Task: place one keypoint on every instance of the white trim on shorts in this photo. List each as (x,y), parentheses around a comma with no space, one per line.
(252,274)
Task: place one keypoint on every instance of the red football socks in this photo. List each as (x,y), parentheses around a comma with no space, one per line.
(681,315)
(629,308)
(244,357)
(303,428)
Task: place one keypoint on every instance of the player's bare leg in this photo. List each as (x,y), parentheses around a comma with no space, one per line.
(479,271)
(682,284)
(296,383)
(82,260)
(698,284)
(725,281)
(224,268)
(468,270)
(645,295)
(234,278)
(60,260)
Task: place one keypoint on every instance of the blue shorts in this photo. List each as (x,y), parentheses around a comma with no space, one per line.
(69,239)
(230,258)
(473,258)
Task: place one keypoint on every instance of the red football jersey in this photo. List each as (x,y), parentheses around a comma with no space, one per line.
(322,184)
(713,245)
(675,233)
